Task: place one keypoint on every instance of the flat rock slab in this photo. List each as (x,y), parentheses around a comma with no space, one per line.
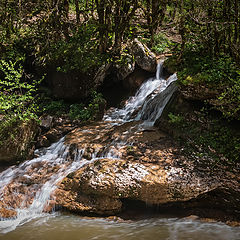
(149,167)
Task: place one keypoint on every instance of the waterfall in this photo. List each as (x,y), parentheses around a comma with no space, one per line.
(149,101)
(156,101)
(159,70)
(40,176)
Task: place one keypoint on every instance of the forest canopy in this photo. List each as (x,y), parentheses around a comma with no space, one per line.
(72,35)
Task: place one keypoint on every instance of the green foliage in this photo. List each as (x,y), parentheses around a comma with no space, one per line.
(78,111)
(160,43)
(75,111)
(175,118)
(229,100)
(205,69)
(16,94)
(222,141)
(8,128)
(208,135)
(80,52)
(221,75)
(17,100)
(55,107)
(89,112)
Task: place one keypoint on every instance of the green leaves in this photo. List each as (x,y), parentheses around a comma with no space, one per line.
(80,52)
(75,111)
(175,118)
(16,95)
(160,43)
(220,76)
(87,112)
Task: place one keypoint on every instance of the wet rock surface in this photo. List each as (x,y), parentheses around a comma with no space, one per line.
(150,167)
(52,129)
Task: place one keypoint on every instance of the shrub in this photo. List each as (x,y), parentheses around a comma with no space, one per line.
(16,94)
(160,43)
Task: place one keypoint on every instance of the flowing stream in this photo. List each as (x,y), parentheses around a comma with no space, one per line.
(27,188)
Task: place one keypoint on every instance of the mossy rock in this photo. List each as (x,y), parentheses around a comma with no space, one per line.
(17,141)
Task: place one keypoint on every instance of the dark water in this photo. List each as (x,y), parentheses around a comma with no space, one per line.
(71,227)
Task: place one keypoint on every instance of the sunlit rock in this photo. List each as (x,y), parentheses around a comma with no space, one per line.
(144,57)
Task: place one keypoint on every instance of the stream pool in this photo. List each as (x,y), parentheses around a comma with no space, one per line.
(72,227)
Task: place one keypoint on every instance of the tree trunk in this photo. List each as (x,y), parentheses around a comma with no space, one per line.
(236,24)
(77,11)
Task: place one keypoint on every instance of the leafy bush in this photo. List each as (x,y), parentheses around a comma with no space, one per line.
(75,111)
(220,74)
(175,118)
(229,101)
(89,112)
(221,140)
(16,95)
(207,135)
(55,107)
(80,52)
(220,70)
(78,111)
(17,101)
(160,43)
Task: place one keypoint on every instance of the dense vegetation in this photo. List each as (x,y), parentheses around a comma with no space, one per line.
(203,37)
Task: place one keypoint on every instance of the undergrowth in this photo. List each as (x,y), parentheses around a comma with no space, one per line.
(203,134)
(75,111)
(219,74)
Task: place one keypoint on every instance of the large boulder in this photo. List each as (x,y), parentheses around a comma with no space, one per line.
(143,56)
(109,180)
(119,80)
(150,167)
(118,72)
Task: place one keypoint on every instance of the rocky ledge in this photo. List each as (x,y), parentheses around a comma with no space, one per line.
(150,167)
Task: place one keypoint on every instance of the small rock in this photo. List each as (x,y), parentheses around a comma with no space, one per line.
(46,121)
(53,135)
(192,217)
(43,142)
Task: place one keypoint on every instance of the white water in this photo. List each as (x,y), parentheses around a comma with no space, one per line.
(53,158)
(53,164)
(156,101)
(136,105)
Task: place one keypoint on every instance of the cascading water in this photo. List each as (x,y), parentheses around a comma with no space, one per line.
(159,70)
(156,101)
(141,105)
(39,176)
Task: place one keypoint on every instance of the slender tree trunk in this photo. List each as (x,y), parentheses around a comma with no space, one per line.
(102,27)
(182,29)
(77,11)
(175,4)
(236,24)
(209,29)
